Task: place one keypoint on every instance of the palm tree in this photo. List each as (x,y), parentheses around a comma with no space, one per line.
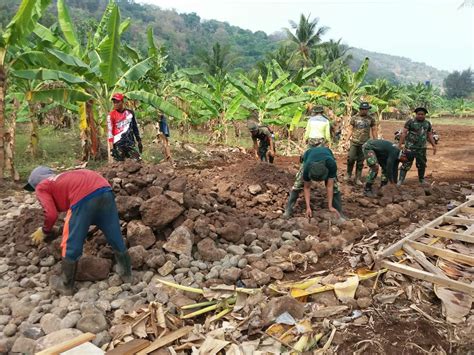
(307,35)
(218,61)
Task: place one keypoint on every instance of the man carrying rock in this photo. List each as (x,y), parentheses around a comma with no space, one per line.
(387,155)
(415,134)
(360,128)
(88,199)
(319,164)
(122,131)
(263,143)
(318,129)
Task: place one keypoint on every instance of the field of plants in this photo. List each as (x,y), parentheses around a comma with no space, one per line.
(216,269)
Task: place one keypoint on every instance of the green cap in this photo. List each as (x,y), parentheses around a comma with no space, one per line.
(252,126)
(318,171)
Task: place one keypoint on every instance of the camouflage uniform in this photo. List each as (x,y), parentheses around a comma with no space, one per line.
(361,126)
(263,135)
(415,142)
(384,153)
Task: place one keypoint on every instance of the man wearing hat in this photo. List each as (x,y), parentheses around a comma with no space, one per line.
(319,164)
(360,128)
(318,128)
(263,144)
(88,199)
(387,155)
(122,131)
(414,136)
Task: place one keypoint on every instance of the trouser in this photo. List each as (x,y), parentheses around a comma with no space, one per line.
(316,142)
(373,164)
(420,156)
(355,155)
(97,208)
(122,152)
(263,147)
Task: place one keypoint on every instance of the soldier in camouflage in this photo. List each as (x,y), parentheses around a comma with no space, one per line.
(263,143)
(414,136)
(360,128)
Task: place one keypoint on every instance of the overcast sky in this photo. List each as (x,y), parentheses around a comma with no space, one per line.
(432,31)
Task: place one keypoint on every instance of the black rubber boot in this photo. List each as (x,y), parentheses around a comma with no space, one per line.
(368,190)
(64,283)
(401,177)
(291,203)
(124,266)
(421,175)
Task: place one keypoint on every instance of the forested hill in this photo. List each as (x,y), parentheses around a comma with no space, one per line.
(185,35)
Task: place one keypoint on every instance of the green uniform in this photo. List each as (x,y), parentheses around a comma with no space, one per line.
(361,126)
(384,153)
(314,155)
(415,142)
(263,135)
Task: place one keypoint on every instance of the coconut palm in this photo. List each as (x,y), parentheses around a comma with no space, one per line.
(307,35)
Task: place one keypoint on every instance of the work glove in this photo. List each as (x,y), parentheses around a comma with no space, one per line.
(140,147)
(38,236)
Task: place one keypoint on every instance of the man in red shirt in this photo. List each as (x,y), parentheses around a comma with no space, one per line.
(122,131)
(88,199)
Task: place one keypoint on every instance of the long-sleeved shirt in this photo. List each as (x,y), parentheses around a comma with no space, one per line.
(122,127)
(60,193)
(387,156)
(318,127)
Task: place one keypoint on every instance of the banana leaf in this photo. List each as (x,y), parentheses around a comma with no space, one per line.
(151,99)
(47,74)
(68,59)
(45,34)
(63,95)
(109,50)
(67,26)
(136,72)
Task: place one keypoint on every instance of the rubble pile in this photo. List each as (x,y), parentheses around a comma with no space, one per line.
(195,228)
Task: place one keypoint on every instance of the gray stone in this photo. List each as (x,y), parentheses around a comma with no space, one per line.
(94,323)
(287,236)
(32,331)
(10,330)
(140,234)
(4,319)
(22,308)
(24,345)
(101,338)
(70,320)
(50,323)
(236,250)
(242,263)
(138,254)
(255,189)
(55,338)
(48,261)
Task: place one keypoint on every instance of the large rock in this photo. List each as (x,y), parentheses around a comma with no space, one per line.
(159,211)
(231,275)
(93,268)
(231,232)
(178,184)
(208,250)
(180,242)
(21,308)
(139,234)
(93,323)
(128,207)
(138,255)
(50,323)
(23,345)
(260,277)
(55,338)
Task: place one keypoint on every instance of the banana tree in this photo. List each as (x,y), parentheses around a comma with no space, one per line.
(384,97)
(11,40)
(349,89)
(271,95)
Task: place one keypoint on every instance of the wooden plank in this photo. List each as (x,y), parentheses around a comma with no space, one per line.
(450,235)
(130,347)
(442,253)
(66,345)
(421,259)
(420,231)
(467,209)
(163,341)
(459,220)
(469,231)
(427,276)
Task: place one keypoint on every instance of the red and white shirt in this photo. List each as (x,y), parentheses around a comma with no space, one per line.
(122,127)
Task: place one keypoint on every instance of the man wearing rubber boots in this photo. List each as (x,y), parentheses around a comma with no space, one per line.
(123,131)
(263,143)
(387,155)
(88,199)
(319,164)
(318,129)
(414,136)
(360,128)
